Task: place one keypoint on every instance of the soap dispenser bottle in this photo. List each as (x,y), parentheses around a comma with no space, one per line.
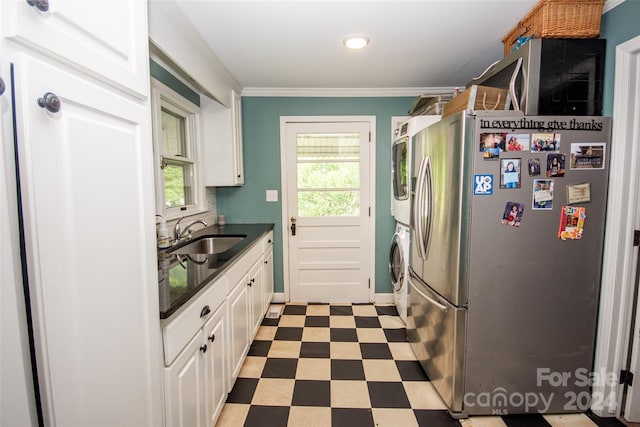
(163,233)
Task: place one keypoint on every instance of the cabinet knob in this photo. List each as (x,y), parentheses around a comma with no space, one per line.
(41,5)
(205,310)
(203,348)
(50,102)
(266,262)
(3,87)
(212,337)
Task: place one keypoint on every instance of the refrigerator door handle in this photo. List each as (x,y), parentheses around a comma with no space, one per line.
(442,307)
(417,206)
(428,205)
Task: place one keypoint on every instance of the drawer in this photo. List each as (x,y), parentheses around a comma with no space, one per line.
(243,265)
(187,322)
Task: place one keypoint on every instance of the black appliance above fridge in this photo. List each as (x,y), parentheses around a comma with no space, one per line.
(552,77)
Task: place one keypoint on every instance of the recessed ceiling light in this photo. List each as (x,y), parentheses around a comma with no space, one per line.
(356,42)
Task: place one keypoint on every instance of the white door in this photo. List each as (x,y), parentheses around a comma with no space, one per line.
(327,180)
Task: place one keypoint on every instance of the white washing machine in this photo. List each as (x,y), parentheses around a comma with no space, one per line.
(399,268)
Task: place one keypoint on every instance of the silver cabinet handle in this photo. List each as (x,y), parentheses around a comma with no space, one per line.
(50,102)
(41,5)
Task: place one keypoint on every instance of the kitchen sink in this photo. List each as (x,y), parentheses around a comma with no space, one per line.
(209,245)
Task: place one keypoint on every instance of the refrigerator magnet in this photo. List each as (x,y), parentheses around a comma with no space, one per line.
(512,214)
(482,185)
(578,193)
(571,222)
(534,167)
(518,142)
(542,194)
(491,144)
(545,142)
(587,156)
(555,165)
(509,173)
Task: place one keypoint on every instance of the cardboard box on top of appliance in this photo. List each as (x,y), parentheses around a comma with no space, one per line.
(477,97)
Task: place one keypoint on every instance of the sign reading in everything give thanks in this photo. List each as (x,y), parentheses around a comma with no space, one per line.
(542,125)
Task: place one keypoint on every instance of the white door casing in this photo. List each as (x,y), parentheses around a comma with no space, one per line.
(623,217)
(331,258)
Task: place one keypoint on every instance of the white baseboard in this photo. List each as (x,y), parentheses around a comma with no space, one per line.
(278,298)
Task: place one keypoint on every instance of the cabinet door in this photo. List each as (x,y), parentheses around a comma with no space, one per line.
(268,277)
(185,387)
(85,35)
(256,286)
(87,195)
(222,136)
(216,357)
(238,327)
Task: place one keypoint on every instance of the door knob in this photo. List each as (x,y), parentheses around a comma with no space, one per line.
(293,225)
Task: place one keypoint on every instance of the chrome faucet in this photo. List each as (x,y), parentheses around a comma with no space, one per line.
(178,233)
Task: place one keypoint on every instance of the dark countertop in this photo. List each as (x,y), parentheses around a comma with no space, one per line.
(182,277)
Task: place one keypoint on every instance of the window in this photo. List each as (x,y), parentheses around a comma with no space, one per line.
(175,124)
(328,174)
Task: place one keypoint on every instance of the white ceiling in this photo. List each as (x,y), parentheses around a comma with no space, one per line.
(298,43)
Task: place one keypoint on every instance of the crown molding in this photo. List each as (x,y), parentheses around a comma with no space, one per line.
(346,92)
(610,4)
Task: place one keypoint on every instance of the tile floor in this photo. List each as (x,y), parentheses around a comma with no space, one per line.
(348,365)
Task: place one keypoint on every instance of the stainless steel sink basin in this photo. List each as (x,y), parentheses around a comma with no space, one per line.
(209,245)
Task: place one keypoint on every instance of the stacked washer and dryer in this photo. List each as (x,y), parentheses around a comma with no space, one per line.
(401,207)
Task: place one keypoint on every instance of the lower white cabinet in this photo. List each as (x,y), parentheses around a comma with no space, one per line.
(204,352)
(268,277)
(239,308)
(256,289)
(195,382)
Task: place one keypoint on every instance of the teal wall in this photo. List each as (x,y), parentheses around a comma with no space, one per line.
(619,25)
(261,135)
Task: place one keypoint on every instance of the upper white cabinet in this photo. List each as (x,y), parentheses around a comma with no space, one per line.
(222,142)
(107,40)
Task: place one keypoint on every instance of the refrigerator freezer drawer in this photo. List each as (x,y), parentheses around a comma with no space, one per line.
(435,330)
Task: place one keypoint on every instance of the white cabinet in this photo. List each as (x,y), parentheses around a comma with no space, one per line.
(195,349)
(83,35)
(87,195)
(239,339)
(222,142)
(268,277)
(256,290)
(185,386)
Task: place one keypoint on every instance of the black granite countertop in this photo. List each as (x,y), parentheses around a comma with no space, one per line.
(180,277)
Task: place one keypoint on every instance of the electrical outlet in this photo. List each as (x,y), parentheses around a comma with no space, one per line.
(272,195)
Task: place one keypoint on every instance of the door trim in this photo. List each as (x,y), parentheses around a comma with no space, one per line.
(372,193)
(618,268)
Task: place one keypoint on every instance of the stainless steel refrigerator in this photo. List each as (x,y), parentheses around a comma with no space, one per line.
(507,230)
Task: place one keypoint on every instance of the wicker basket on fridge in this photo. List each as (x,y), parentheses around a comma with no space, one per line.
(556,19)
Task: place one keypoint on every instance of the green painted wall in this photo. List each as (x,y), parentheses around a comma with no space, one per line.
(619,25)
(261,135)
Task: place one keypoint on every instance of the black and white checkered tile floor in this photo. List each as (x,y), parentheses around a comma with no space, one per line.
(347,365)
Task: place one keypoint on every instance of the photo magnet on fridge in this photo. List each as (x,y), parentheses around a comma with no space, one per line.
(492,144)
(571,222)
(587,156)
(534,167)
(545,142)
(512,214)
(518,142)
(555,165)
(510,173)
(543,194)
(482,185)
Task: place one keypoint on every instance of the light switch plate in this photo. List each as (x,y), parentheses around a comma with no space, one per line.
(272,195)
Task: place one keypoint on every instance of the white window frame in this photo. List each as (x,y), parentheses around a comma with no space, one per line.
(163,96)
